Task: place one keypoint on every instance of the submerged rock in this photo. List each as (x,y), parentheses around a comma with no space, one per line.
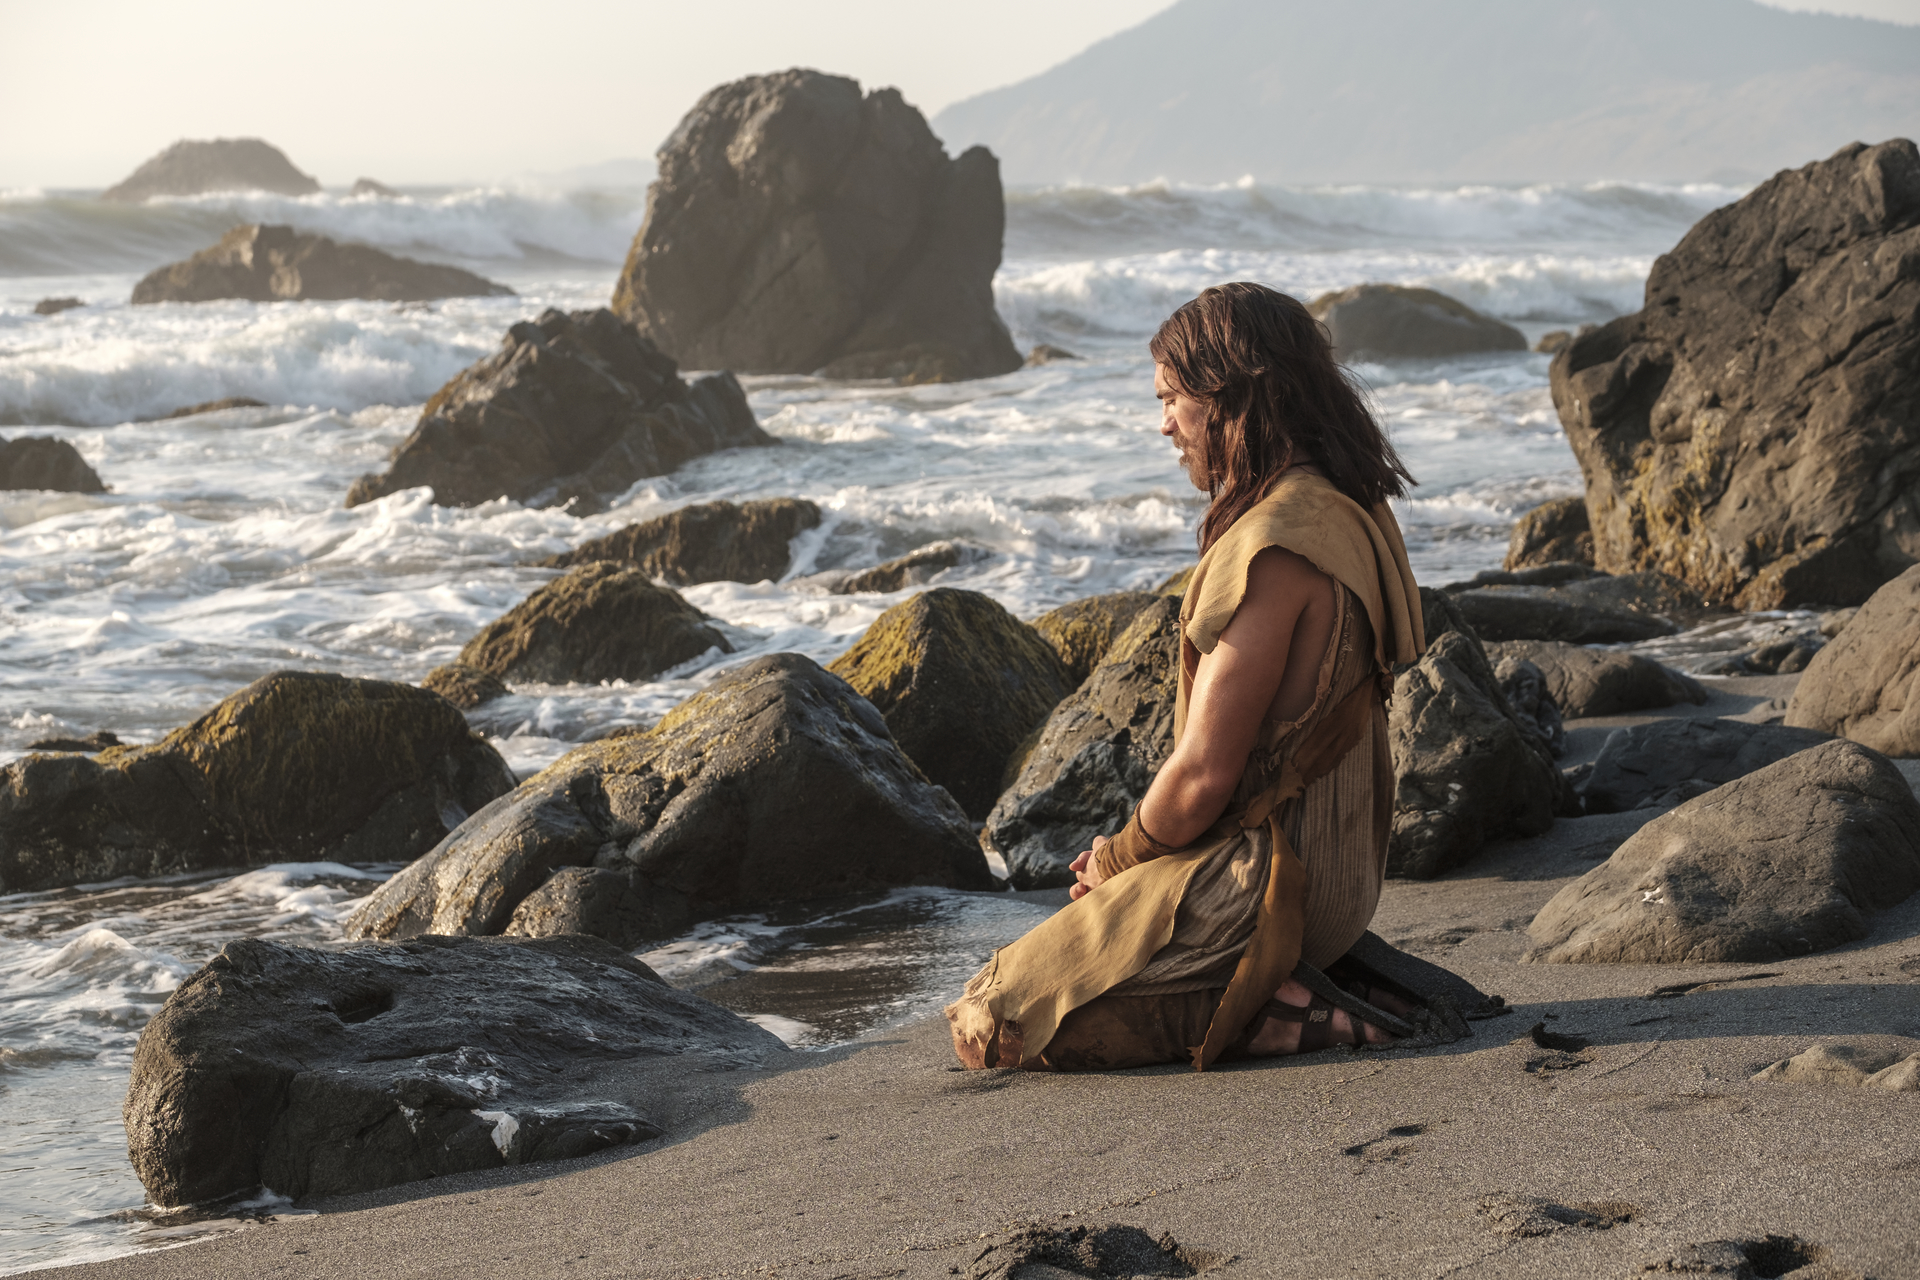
(707,542)
(961,682)
(1865,684)
(371,187)
(1600,682)
(1553,532)
(1082,631)
(600,621)
(797,225)
(919,566)
(1750,431)
(321,1073)
(54,306)
(212,406)
(1670,761)
(775,783)
(573,407)
(464,686)
(278,264)
(1788,860)
(1391,320)
(296,767)
(191,168)
(42,462)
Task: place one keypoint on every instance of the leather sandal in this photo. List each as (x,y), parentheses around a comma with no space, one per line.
(1316,1025)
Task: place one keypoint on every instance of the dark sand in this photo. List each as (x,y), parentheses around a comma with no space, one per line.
(880,1160)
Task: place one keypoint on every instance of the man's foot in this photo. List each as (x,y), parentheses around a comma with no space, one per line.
(1280,1036)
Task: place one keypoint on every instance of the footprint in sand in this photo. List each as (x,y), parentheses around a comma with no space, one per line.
(1771,1256)
(1523,1216)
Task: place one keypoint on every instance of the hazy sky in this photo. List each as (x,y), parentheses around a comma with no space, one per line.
(438,91)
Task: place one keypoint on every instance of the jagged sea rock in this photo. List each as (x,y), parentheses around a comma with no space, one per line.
(799,226)
(42,462)
(1865,684)
(574,406)
(1095,756)
(278,264)
(1393,321)
(1788,860)
(1081,631)
(921,565)
(775,783)
(1600,682)
(296,767)
(599,621)
(1666,762)
(1526,690)
(1556,531)
(706,542)
(961,682)
(322,1073)
(1753,431)
(190,168)
(464,686)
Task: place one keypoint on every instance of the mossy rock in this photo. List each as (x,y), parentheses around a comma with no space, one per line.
(707,542)
(601,621)
(961,683)
(1177,584)
(1552,532)
(298,766)
(1080,632)
(465,687)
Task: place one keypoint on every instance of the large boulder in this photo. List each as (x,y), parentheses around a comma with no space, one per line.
(1785,861)
(191,168)
(1552,533)
(1670,761)
(1095,756)
(1082,631)
(278,264)
(1600,682)
(296,767)
(776,782)
(797,225)
(42,462)
(1550,613)
(707,542)
(572,408)
(1865,684)
(1755,430)
(321,1073)
(961,682)
(600,621)
(1393,321)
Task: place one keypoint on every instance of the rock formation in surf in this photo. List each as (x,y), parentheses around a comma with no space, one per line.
(775,783)
(1552,533)
(190,168)
(464,686)
(916,568)
(322,1073)
(1755,430)
(798,225)
(54,306)
(1391,321)
(296,767)
(706,542)
(278,264)
(42,462)
(1865,683)
(574,407)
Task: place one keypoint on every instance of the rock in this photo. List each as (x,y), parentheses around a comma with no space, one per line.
(42,462)
(369,187)
(1553,342)
(1525,687)
(1785,861)
(1834,622)
(54,306)
(1649,592)
(296,767)
(1600,682)
(210,406)
(1046,353)
(1865,684)
(1081,631)
(1176,584)
(961,682)
(278,264)
(777,782)
(1833,1064)
(798,226)
(707,542)
(1554,573)
(572,406)
(94,742)
(1095,756)
(464,686)
(1547,613)
(190,168)
(599,621)
(1553,531)
(1751,431)
(1670,761)
(915,568)
(1392,321)
(1779,658)
(1902,1077)
(321,1073)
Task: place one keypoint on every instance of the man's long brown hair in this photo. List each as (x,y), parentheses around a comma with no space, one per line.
(1262,367)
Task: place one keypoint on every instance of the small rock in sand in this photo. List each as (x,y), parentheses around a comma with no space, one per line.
(1600,682)
(1836,1064)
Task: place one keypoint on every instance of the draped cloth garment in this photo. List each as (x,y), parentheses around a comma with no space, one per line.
(1292,869)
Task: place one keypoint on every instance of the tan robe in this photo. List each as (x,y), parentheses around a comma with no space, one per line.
(1208,932)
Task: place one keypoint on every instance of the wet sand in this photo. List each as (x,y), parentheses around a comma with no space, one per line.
(881,1160)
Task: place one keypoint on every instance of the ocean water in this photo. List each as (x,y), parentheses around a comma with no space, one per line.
(222,552)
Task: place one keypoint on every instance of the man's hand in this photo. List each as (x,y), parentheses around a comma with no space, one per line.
(1085,872)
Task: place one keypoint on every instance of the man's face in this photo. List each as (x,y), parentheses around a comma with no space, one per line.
(1183,421)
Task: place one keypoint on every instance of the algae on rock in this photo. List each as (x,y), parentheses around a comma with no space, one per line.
(706,542)
(1082,630)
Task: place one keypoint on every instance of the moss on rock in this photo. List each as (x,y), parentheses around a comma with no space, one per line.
(1081,631)
(602,621)
(464,686)
(707,542)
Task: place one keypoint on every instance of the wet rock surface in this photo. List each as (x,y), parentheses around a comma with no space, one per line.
(319,1073)
(1600,682)
(1773,358)
(707,542)
(212,406)
(263,263)
(798,225)
(1554,613)
(54,306)
(42,462)
(1391,320)
(1671,761)
(1785,861)
(575,406)
(1081,632)
(961,682)
(1552,532)
(296,767)
(919,566)
(1865,683)
(776,783)
(464,686)
(190,168)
